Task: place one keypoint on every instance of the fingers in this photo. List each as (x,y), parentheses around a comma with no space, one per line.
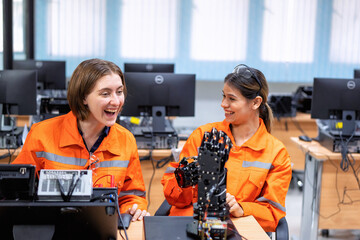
(137,214)
(235,208)
(229,198)
(132,210)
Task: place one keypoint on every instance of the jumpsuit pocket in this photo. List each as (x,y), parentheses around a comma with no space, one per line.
(246,185)
(257,178)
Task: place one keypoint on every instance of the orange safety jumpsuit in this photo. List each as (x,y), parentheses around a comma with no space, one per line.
(259,174)
(57,144)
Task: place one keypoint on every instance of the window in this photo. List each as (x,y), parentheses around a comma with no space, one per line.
(18,26)
(76,27)
(289,31)
(149,28)
(219,30)
(345,34)
(1,27)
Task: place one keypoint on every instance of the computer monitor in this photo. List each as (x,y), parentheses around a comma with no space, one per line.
(356,73)
(51,74)
(337,99)
(149,67)
(17,181)
(302,99)
(18,95)
(282,105)
(58,220)
(159,95)
(18,91)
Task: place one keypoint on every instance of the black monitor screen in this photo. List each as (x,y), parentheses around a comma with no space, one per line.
(159,95)
(51,74)
(17,181)
(149,67)
(336,99)
(176,92)
(357,73)
(281,105)
(18,91)
(58,220)
(302,99)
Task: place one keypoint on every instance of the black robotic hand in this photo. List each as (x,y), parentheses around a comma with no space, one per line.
(213,154)
(187,174)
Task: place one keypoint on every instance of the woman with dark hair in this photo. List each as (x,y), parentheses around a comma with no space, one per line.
(258,167)
(88,137)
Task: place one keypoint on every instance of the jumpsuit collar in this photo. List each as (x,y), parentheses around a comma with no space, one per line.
(70,136)
(96,145)
(257,142)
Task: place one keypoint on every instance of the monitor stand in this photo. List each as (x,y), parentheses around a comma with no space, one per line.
(348,119)
(159,121)
(7,123)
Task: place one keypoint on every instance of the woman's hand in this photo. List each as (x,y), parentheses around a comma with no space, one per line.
(235,208)
(137,214)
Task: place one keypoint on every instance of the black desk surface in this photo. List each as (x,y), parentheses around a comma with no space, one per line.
(171,227)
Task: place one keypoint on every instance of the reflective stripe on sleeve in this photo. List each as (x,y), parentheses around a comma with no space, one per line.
(170,170)
(132,192)
(275,204)
(256,164)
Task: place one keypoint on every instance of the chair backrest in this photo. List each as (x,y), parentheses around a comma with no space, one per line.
(282,230)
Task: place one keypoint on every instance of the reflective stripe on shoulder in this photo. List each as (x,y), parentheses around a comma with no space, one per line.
(114,163)
(257,164)
(61,159)
(170,170)
(275,204)
(132,192)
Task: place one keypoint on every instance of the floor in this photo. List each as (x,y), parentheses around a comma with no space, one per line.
(293,217)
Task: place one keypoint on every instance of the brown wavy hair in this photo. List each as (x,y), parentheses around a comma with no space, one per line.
(83,80)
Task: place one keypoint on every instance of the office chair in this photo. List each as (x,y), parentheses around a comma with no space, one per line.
(281,232)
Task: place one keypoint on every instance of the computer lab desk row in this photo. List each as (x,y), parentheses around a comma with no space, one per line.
(331,197)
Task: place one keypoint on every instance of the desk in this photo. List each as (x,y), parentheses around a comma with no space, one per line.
(158,154)
(14,153)
(246,226)
(331,197)
(21,121)
(285,128)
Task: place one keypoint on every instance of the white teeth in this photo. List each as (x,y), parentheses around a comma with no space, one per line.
(108,110)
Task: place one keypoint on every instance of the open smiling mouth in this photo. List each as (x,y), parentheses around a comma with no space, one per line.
(110,112)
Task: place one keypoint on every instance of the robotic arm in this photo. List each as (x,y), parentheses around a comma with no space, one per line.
(209,172)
